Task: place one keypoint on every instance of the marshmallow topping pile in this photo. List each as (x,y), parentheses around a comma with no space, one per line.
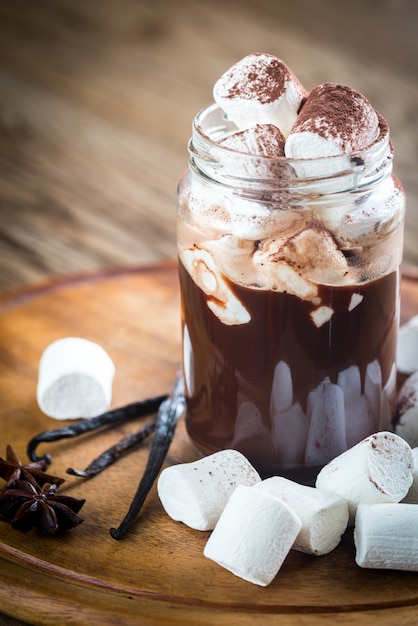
(270,116)
(260,91)
(257,522)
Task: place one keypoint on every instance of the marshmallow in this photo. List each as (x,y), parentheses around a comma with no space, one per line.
(334,120)
(407,347)
(324,516)
(321,315)
(260,89)
(290,433)
(314,250)
(355,300)
(326,437)
(385,536)
(304,258)
(378,469)
(289,423)
(280,276)
(373,391)
(359,417)
(406,425)
(249,427)
(282,389)
(188,362)
(233,256)
(74,379)
(253,536)
(412,495)
(372,217)
(264,140)
(256,154)
(241,217)
(222,302)
(196,493)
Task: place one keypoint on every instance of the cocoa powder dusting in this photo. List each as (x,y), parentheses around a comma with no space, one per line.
(258,80)
(262,140)
(336,111)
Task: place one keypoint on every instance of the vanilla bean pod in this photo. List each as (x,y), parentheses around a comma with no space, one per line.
(112,454)
(122,414)
(167,418)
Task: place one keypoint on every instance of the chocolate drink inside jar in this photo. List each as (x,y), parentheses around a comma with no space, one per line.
(290,292)
(234,373)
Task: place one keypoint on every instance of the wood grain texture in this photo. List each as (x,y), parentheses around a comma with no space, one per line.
(97,100)
(157,574)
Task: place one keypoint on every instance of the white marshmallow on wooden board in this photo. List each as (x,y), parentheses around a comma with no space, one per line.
(196,493)
(74,379)
(324,515)
(407,347)
(378,469)
(406,425)
(385,536)
(253,536)
(260,89)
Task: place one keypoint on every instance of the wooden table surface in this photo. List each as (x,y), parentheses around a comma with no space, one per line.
(157,575)
(97,99)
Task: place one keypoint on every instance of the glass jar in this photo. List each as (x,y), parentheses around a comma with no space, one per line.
(289,278)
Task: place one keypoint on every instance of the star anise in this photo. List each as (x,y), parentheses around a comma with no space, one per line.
(12,469)
(26,504)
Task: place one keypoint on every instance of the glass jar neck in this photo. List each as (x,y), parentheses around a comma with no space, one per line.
(311,177)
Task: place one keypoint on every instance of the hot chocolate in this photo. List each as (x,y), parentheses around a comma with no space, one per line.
(288,271)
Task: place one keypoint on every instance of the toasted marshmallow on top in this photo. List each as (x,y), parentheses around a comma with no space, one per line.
(334,120)
(260,89)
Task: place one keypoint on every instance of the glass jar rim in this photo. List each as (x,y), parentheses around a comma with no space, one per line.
(224,165)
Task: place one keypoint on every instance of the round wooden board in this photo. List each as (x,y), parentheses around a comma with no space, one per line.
(157,574)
